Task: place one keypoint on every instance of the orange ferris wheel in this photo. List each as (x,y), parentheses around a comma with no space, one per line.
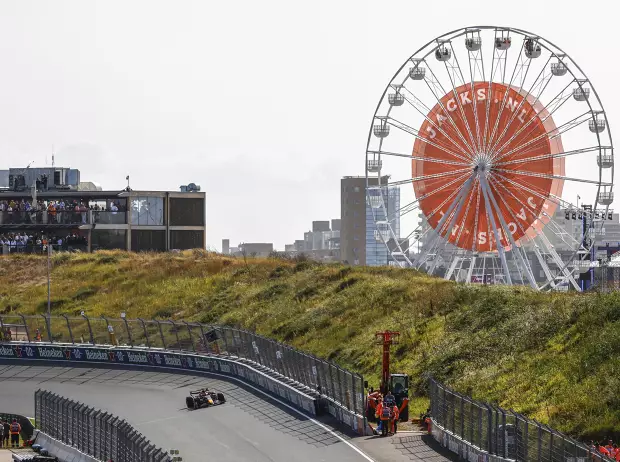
(492,139)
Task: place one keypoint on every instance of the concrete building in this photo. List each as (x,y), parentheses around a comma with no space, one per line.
(127,219)
(360,243)
(353,219)
(336,224)
(256,249)
(318,226)
(225,246)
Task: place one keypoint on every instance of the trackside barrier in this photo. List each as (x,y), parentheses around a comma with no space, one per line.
(85,431)
(166,361)
(343,390)
(481,432)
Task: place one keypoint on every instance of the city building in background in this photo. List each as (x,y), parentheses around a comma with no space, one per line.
(54,203)
(361,243)
(255,249)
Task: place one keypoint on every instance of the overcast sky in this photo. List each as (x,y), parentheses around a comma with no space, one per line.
(264,104)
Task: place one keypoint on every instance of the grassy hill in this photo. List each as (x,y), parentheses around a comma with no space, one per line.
(555,357)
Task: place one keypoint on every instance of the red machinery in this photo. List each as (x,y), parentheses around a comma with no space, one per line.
(398,384)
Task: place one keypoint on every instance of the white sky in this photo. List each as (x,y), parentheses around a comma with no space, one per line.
(264,104)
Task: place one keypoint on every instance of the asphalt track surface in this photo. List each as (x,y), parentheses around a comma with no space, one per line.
(249,427)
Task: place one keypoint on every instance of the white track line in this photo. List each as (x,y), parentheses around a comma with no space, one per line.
(316,422)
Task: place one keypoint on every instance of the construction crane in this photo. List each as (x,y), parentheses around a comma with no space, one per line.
(398,384)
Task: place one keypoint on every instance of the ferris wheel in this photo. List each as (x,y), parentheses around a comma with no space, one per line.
(490,160)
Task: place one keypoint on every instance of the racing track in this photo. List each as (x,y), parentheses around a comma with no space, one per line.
(249,427)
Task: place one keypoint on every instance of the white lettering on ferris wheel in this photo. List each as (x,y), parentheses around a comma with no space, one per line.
(451,106)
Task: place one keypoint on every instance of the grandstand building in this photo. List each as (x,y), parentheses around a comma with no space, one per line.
(51,204)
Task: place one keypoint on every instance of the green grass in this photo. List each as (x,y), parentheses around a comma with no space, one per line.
(554,357)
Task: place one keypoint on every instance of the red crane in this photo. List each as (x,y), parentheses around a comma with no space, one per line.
(387,339)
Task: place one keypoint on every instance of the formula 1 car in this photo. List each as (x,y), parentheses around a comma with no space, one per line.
(204,398)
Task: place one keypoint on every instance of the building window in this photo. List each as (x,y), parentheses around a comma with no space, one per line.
(147,211)
(103,239)
(146,241)
(356,189)
(183,240)
(187,212)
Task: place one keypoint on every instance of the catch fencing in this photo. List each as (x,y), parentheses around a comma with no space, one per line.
(344,388)
(91,431)
(499,433)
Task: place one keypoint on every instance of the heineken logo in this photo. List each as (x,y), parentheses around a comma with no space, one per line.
(202,364)
(6,351)
(96,355)
(137,357)
(50,353)
(172,361)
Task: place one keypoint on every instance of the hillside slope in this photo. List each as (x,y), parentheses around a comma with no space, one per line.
(555,357)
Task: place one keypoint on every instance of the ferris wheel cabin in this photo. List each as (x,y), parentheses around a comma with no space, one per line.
(605,158)
(532,47)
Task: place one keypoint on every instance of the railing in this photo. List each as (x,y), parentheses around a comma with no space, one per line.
(45,218)
(109,218)
(343,387)
(502,433)
(40,249)
(91,431)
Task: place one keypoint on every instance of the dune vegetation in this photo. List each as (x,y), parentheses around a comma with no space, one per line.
(554,357)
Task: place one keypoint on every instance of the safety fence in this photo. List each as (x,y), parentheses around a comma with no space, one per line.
(342,387)
(91,431)
(468,426)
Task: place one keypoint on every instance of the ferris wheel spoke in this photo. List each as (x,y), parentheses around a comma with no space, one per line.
(462,225)
(475,241)
(428,177)
(556,103)
(564,128)
(540,194)
(453,73)
(498,64)
(546,78)
(420,158)
(551,176)
(415,102)
(476,68)
(517,70)
(550,156)
(438,91)
(457,203)
(412,131)
(491,218)
(525,206)
(410,206)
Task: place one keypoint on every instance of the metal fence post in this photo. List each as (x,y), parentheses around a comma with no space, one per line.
(48,326)
(68,327)
(90,329)
(146,334)
(25,327)
(128,331)
(191,338)
(176,334)
(161,333)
